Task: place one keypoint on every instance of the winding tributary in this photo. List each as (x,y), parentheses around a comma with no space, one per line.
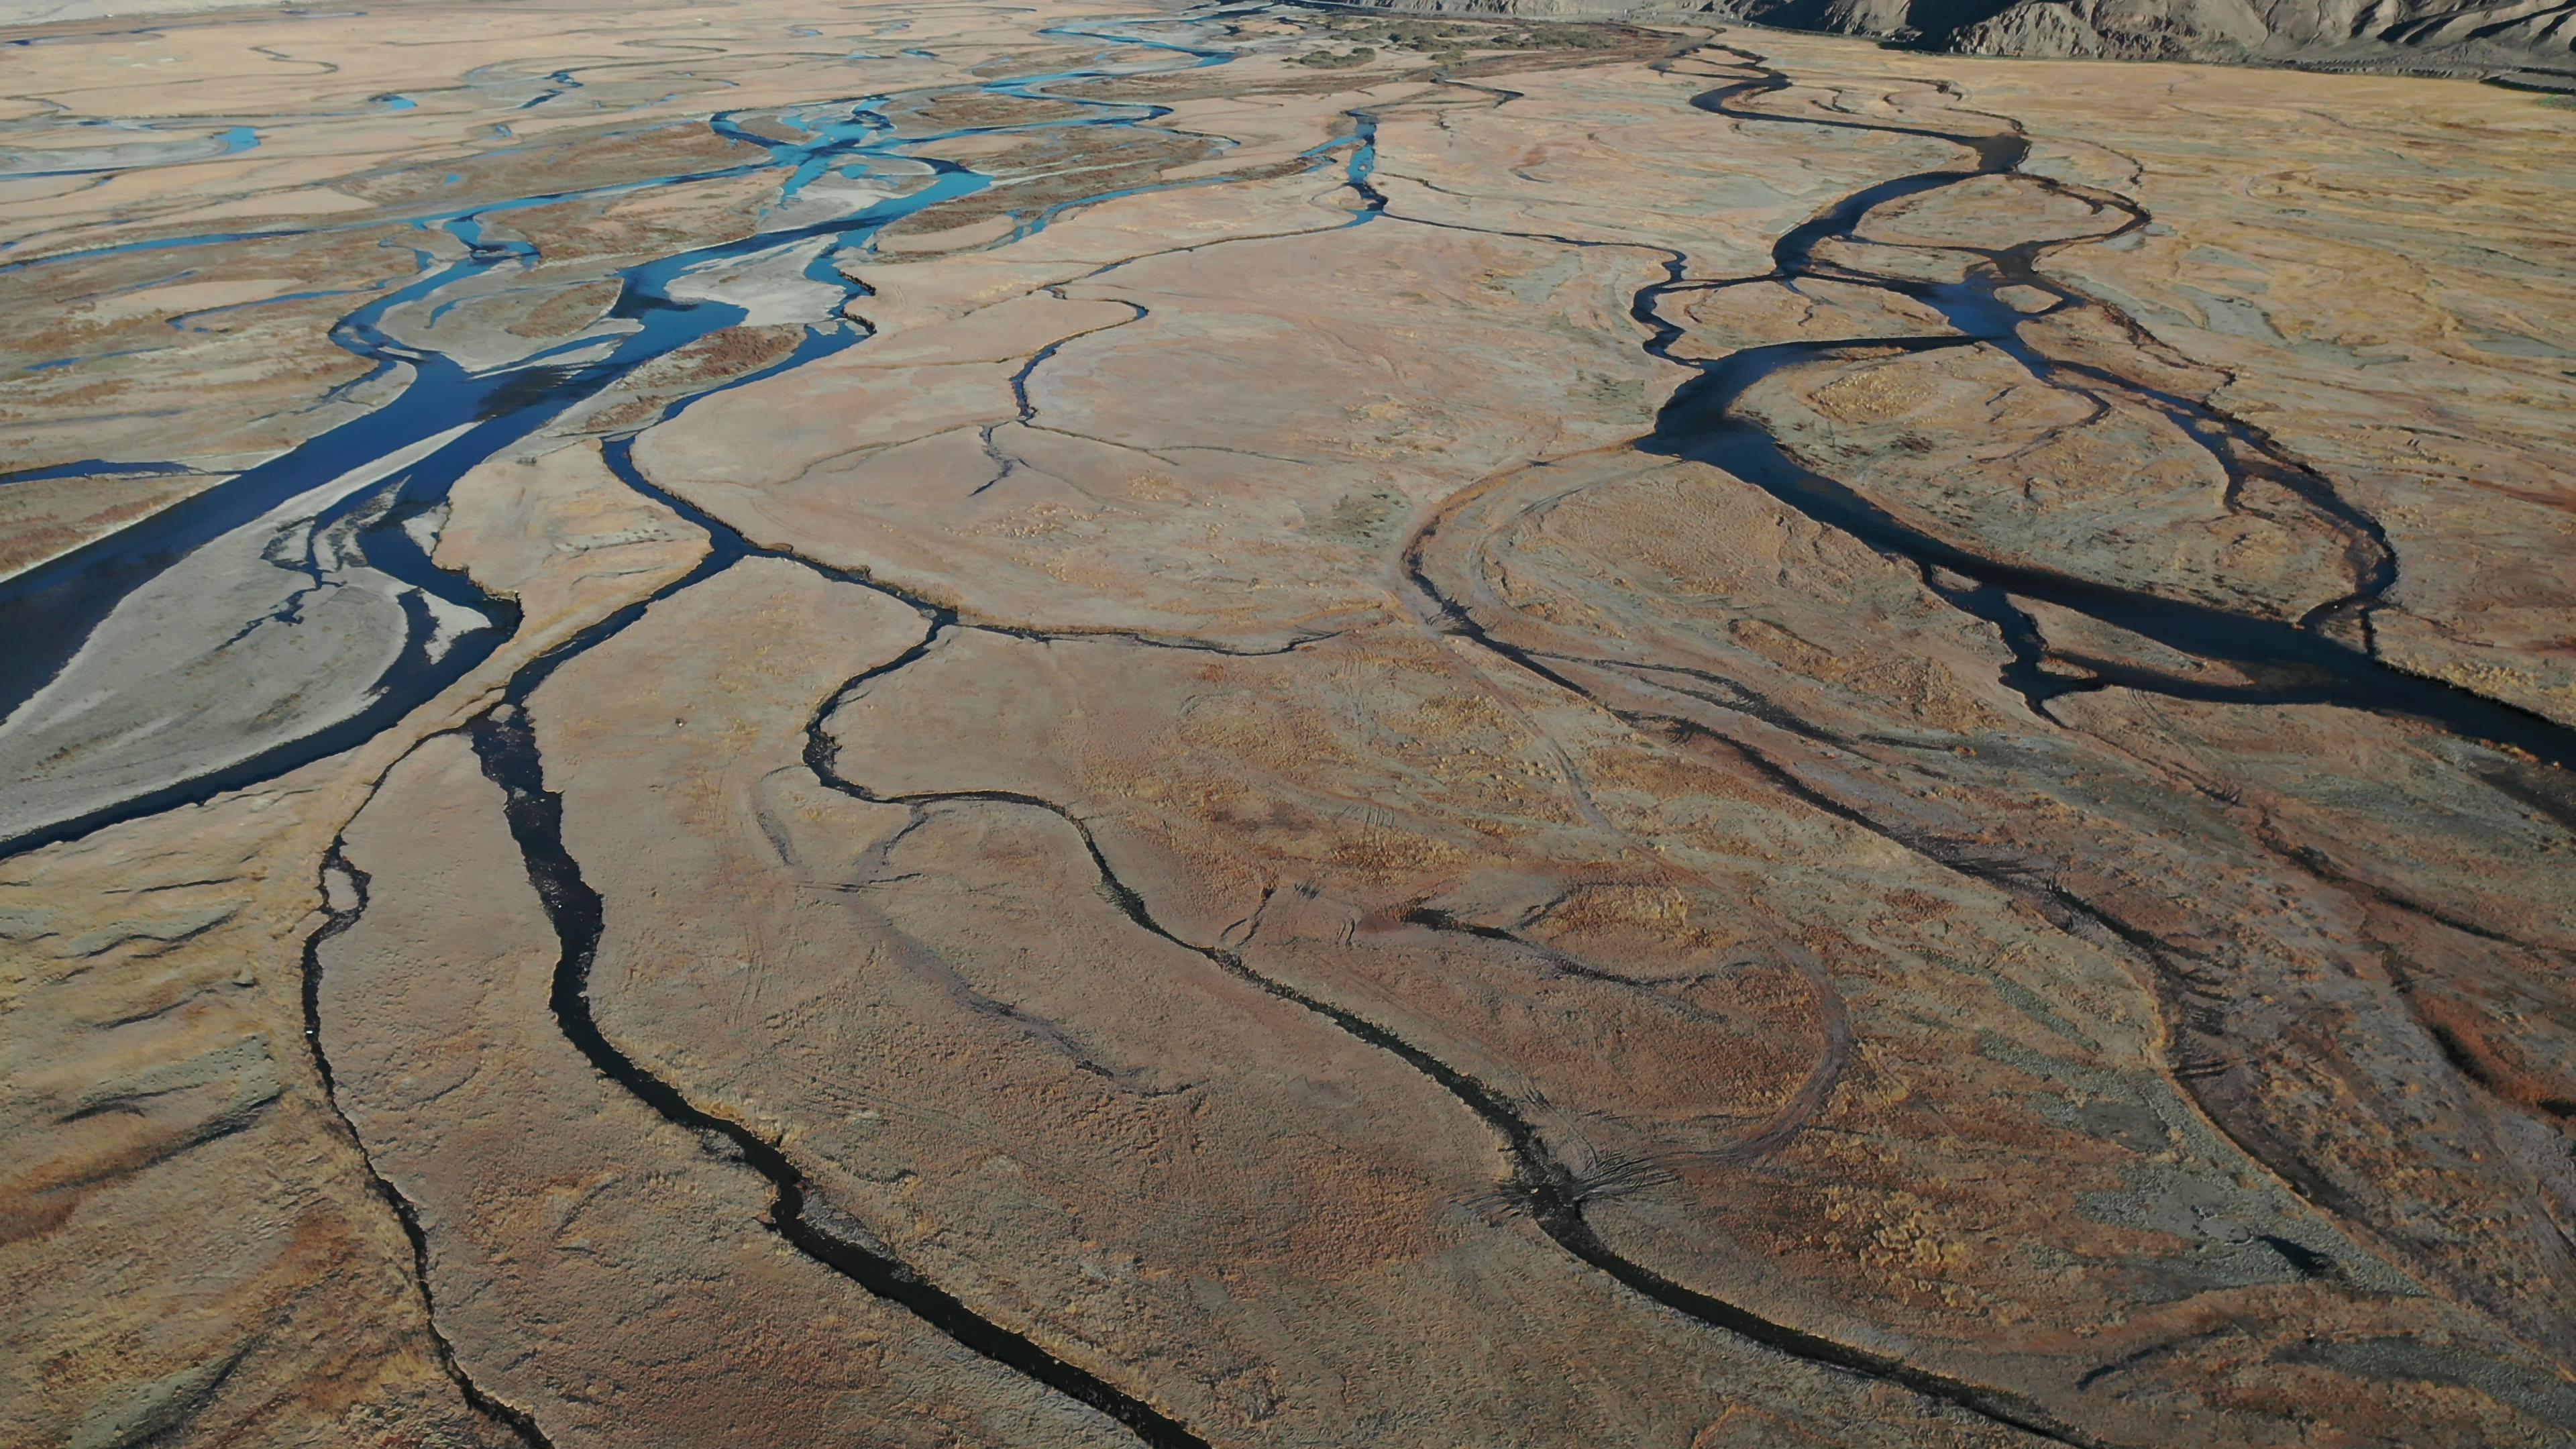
(2328,656)
(504,740)
(1550,1192)
(2324,657)
(447,418)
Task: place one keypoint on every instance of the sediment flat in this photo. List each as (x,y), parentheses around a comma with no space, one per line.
(949,724)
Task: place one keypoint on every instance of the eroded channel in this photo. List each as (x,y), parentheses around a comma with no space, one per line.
(449,418)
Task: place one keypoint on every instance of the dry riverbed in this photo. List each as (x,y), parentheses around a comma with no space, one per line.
(935,724)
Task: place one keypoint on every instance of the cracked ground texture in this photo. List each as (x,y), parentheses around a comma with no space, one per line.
(951,725)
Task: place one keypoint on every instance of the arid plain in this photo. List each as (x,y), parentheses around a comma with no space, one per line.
(965,724)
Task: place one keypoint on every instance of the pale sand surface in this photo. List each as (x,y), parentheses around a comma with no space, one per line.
(1401,742)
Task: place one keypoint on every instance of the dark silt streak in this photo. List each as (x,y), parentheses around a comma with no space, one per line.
(1833,1021)
(51,610)
(1549,1192)
(726,545)
(60,602)
(1540,1186)
(2290,662)
(382,712)
(2327,656)
(505,743)
(2185,989)
(95,467)
(338,919)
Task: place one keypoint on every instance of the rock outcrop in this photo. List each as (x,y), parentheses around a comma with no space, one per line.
(2523,42)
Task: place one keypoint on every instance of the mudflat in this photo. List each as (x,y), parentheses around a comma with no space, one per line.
(966,724)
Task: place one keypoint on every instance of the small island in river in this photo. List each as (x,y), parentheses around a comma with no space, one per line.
(940,723)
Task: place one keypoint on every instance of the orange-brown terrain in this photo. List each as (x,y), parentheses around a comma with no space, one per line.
(906,723)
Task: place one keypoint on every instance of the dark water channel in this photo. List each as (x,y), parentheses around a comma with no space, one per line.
(2323,658)
(49,612)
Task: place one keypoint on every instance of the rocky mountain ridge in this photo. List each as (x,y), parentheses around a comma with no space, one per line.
(2518,42)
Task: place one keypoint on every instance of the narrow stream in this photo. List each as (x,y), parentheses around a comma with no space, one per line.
(54,610)
(454,418)
(2323,658)
(504,739)
(2328,656)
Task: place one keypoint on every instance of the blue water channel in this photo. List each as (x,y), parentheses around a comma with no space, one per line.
(141,156)
(47,612)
